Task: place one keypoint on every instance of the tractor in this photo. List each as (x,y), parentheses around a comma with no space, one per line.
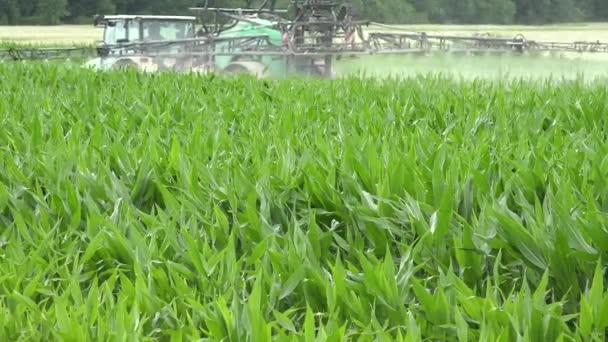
(249,44)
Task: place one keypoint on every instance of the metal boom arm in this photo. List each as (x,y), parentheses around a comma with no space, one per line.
(17,54)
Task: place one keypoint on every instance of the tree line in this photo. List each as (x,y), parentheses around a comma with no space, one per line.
(34,12)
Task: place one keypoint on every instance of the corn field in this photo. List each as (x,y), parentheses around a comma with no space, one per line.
(160,207)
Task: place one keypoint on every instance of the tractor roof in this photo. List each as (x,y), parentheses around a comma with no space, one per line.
(149,17)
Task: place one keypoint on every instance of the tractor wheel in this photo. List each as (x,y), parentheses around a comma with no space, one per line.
(125,64)
(246,67)
(236,69)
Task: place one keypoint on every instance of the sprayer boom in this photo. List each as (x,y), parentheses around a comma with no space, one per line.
(18,54)
(422,42)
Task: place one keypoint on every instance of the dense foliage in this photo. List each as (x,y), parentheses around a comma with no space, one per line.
(393,11)
(193,206)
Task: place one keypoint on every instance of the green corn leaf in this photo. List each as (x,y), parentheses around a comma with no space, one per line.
(284,321)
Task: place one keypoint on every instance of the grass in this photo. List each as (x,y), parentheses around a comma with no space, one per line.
(60,35)
(166,207)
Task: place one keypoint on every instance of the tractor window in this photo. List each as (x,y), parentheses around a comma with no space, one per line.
(152,30)
(115,32)
(134,31)
(167,30)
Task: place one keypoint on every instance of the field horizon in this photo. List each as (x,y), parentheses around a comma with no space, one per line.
(88,34)
(558,65)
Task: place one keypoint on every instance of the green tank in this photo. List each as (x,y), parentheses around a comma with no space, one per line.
(273,65)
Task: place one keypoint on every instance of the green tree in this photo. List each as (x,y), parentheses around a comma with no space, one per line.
(464,11)
(395,11)
(564,11)
(433,10)
(11,11)
(51,11)
(389,11)
(496,11)
(105,7)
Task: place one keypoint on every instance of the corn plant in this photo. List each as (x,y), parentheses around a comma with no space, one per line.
(159,207)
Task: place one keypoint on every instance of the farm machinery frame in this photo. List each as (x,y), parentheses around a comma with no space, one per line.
(264,42)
